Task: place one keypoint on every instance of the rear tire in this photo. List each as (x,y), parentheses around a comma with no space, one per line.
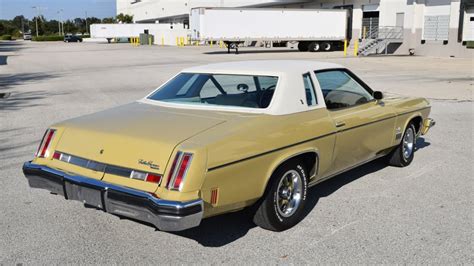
(314,47)
(303,46)
(327,46)
(404,153)
(283,203)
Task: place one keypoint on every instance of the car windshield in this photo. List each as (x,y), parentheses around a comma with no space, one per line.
(218,89)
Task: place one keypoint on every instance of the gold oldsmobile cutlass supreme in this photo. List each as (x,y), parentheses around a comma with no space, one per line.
(222,137)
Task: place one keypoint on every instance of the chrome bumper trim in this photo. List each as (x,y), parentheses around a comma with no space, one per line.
(165,215)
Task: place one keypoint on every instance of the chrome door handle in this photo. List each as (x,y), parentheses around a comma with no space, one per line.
(340,123)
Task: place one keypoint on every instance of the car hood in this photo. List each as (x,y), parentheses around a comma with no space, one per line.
(125,135)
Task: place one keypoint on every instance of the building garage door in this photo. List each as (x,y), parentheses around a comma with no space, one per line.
(436,20)
(468,34)
(370,21)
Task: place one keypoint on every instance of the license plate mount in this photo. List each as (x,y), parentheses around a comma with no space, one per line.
(89,196)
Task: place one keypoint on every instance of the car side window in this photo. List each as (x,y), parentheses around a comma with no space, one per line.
(187,85)
(309,90)
(340,90)
(209,90)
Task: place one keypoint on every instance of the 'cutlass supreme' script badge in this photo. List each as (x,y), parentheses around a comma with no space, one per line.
(149,164)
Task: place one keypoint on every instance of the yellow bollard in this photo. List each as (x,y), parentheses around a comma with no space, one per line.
(211,43)
(162,40)
(181,41)
(356,47)
(149,40)
(177,41)
(220,43)
(345,47)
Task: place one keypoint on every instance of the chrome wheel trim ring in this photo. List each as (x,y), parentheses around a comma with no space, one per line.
(289,193)
(408,143)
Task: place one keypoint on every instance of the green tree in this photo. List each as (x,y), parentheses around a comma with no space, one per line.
(70,27)
(41,27)
(124,18)
(51,27)
(108,20)
(2,28)
(93,20)
(21,23)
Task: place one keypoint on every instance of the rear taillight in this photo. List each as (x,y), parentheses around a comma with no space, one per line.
(179,169)
(43,149)
(57,155)
(153,178)
(148,177)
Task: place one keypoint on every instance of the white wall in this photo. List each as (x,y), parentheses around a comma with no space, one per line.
(468,29)
(168,37)
(151,9)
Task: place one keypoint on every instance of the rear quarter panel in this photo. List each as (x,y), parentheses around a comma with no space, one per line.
(243,153)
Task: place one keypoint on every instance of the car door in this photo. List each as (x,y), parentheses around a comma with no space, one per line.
(364,126)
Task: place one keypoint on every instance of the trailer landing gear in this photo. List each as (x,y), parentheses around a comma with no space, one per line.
(232,45)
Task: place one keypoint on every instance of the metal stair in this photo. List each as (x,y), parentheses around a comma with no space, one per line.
(379,39)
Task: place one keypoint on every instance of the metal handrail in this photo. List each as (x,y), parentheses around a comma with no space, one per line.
(385,32)
(379,37)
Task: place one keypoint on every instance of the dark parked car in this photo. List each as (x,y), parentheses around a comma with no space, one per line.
(72,38)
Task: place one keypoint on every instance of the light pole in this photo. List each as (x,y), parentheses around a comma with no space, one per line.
(36,19)
(61,31)
(22,26)
(87,28)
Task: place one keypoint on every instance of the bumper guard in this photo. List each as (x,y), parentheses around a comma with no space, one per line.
(427,124)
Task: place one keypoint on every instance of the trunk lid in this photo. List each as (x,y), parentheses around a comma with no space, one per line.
(136,136)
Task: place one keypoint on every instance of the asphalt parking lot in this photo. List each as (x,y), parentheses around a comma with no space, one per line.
(372,214)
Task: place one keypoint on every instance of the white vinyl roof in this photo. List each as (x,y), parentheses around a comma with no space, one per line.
(263,67)
(289,96)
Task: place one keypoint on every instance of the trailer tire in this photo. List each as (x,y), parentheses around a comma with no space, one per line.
(327,46)
(314,47)
(303,46)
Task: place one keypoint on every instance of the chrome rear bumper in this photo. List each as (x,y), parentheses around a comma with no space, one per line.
(165,215)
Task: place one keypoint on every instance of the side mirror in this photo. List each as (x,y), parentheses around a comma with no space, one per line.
(378,95)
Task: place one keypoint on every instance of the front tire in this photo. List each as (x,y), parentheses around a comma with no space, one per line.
(405,151)
(283,203)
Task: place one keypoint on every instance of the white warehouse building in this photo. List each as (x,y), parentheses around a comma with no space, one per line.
(428,27)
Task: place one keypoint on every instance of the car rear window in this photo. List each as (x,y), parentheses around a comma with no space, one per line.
(218,89)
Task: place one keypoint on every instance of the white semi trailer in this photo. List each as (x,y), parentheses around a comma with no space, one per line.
(314,29)
(165,32)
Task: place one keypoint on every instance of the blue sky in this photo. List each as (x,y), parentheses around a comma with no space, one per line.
(49,8)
